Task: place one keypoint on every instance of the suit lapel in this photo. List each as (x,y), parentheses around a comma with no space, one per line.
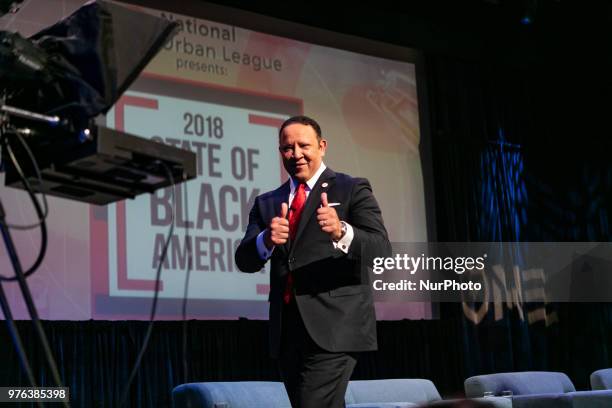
(326,180)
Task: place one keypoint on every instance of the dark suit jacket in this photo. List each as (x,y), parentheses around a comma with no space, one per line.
(332,289)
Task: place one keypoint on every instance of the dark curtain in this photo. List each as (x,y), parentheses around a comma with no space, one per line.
(511,163)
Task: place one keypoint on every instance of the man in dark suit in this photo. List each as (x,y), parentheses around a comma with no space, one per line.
(320,231)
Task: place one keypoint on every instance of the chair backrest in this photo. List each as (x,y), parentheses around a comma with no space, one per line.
(262,394)
(416,391)
(520,383)
(602,379)
(238,394)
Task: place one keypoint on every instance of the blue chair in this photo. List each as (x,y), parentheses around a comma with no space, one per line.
(519,383)
(392,393)
(602,379)
(537,389)
(239,394)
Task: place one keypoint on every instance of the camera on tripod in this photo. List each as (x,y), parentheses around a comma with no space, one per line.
(53,87)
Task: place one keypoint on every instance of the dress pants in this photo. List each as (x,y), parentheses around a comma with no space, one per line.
(313,377)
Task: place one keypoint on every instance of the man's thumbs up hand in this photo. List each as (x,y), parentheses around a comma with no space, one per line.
(327,217)
(277,232)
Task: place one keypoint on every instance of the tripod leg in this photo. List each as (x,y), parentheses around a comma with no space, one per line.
(27,297)
(10,322)
(23,358)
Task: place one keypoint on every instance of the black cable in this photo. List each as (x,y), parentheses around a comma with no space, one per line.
(4,131)
(145,343)
(40,182)
(39,212)
(60,108)
(187,278)
(20,276)
(28,300)
(4,305)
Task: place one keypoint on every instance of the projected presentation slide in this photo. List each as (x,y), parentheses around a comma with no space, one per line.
(222,91)
(234,134)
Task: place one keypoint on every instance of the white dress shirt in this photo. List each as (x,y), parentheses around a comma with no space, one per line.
(343,244)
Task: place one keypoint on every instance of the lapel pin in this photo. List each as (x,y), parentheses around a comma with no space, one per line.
(324,185)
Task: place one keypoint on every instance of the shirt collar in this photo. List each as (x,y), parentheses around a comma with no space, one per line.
(310,183)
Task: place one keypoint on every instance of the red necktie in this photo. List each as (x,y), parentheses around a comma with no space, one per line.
(295,212)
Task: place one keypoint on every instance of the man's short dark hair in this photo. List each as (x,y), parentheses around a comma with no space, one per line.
(302,120)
